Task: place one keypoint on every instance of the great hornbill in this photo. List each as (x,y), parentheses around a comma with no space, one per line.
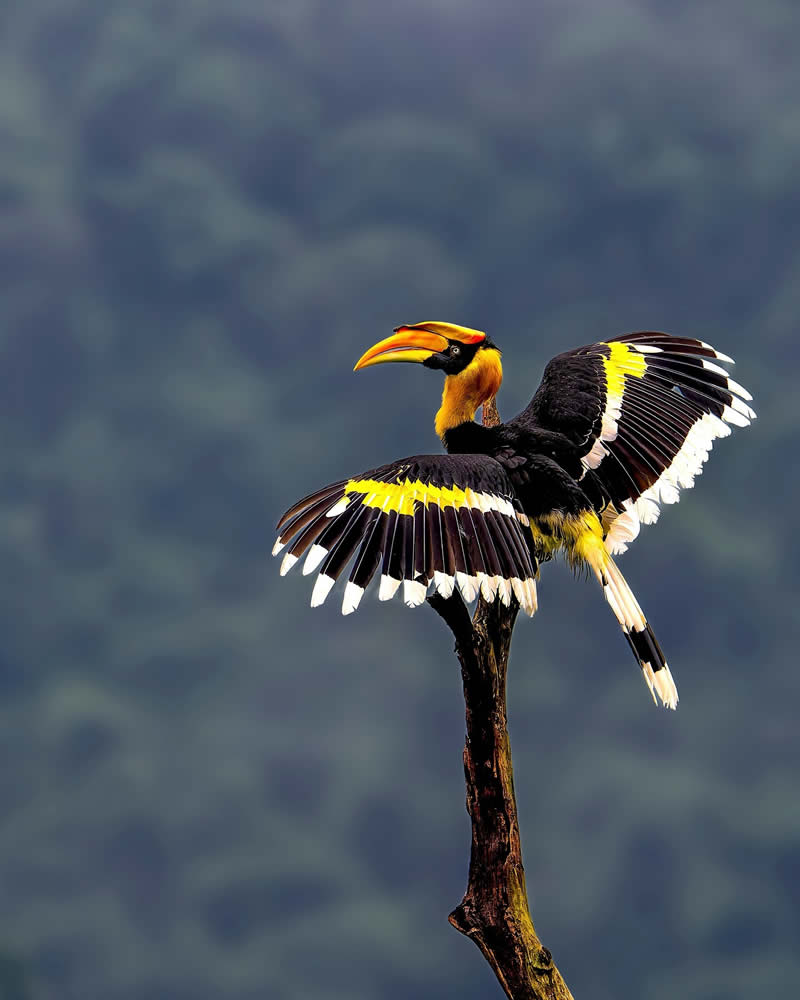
(615,429)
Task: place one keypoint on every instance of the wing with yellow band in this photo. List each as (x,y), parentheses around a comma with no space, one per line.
(644,410)
(436,521)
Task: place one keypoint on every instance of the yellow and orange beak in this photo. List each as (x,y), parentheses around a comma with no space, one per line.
(417,343)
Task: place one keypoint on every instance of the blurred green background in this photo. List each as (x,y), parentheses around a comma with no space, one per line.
(209,210)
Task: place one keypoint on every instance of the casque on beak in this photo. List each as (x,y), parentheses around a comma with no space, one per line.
(404,345)
(417,343)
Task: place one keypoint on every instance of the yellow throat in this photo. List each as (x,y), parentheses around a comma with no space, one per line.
(465,392)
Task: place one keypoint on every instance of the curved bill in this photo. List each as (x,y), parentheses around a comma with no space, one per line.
(406,344)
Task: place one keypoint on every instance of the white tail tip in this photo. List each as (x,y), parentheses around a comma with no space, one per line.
(665,687)
(661,683)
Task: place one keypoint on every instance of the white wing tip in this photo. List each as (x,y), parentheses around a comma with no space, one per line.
(388,588)
(711,367)
(443,583)
(488,586)
(414,592)
(739,390)
(468,585)
(518,586)
(718,354)
(741,407)
(352,598)
(288,561)
(339,507)
(624,529)
(533,597)
(733,415)
(276,548)
(647,509)
(315,556)
(321,589)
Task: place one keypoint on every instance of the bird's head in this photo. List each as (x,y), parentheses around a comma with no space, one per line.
(468,358)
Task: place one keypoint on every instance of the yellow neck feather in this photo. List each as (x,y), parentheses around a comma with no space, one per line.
(465,392)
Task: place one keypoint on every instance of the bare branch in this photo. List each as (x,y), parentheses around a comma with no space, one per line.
(494,912)
(455,613)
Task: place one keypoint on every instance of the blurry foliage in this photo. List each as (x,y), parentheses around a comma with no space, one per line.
(208,212)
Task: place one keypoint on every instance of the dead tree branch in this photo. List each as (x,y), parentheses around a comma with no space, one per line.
(494,911)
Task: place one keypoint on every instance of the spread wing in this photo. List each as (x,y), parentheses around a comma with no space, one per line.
(430,519)
(644,409)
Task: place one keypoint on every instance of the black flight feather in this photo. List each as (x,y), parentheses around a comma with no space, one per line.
(312,498)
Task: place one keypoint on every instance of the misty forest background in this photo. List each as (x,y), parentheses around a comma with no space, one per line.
(209,210)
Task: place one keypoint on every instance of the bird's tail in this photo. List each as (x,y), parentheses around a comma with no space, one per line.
(581,535)
(638,633)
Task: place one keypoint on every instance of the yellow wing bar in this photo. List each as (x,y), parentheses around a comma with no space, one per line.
(433,520)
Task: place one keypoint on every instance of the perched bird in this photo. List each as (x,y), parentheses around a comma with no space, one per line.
(615,429)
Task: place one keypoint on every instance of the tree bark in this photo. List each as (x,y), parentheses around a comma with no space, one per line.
(494,912)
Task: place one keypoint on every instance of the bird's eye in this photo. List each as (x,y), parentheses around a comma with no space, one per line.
(455,350)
